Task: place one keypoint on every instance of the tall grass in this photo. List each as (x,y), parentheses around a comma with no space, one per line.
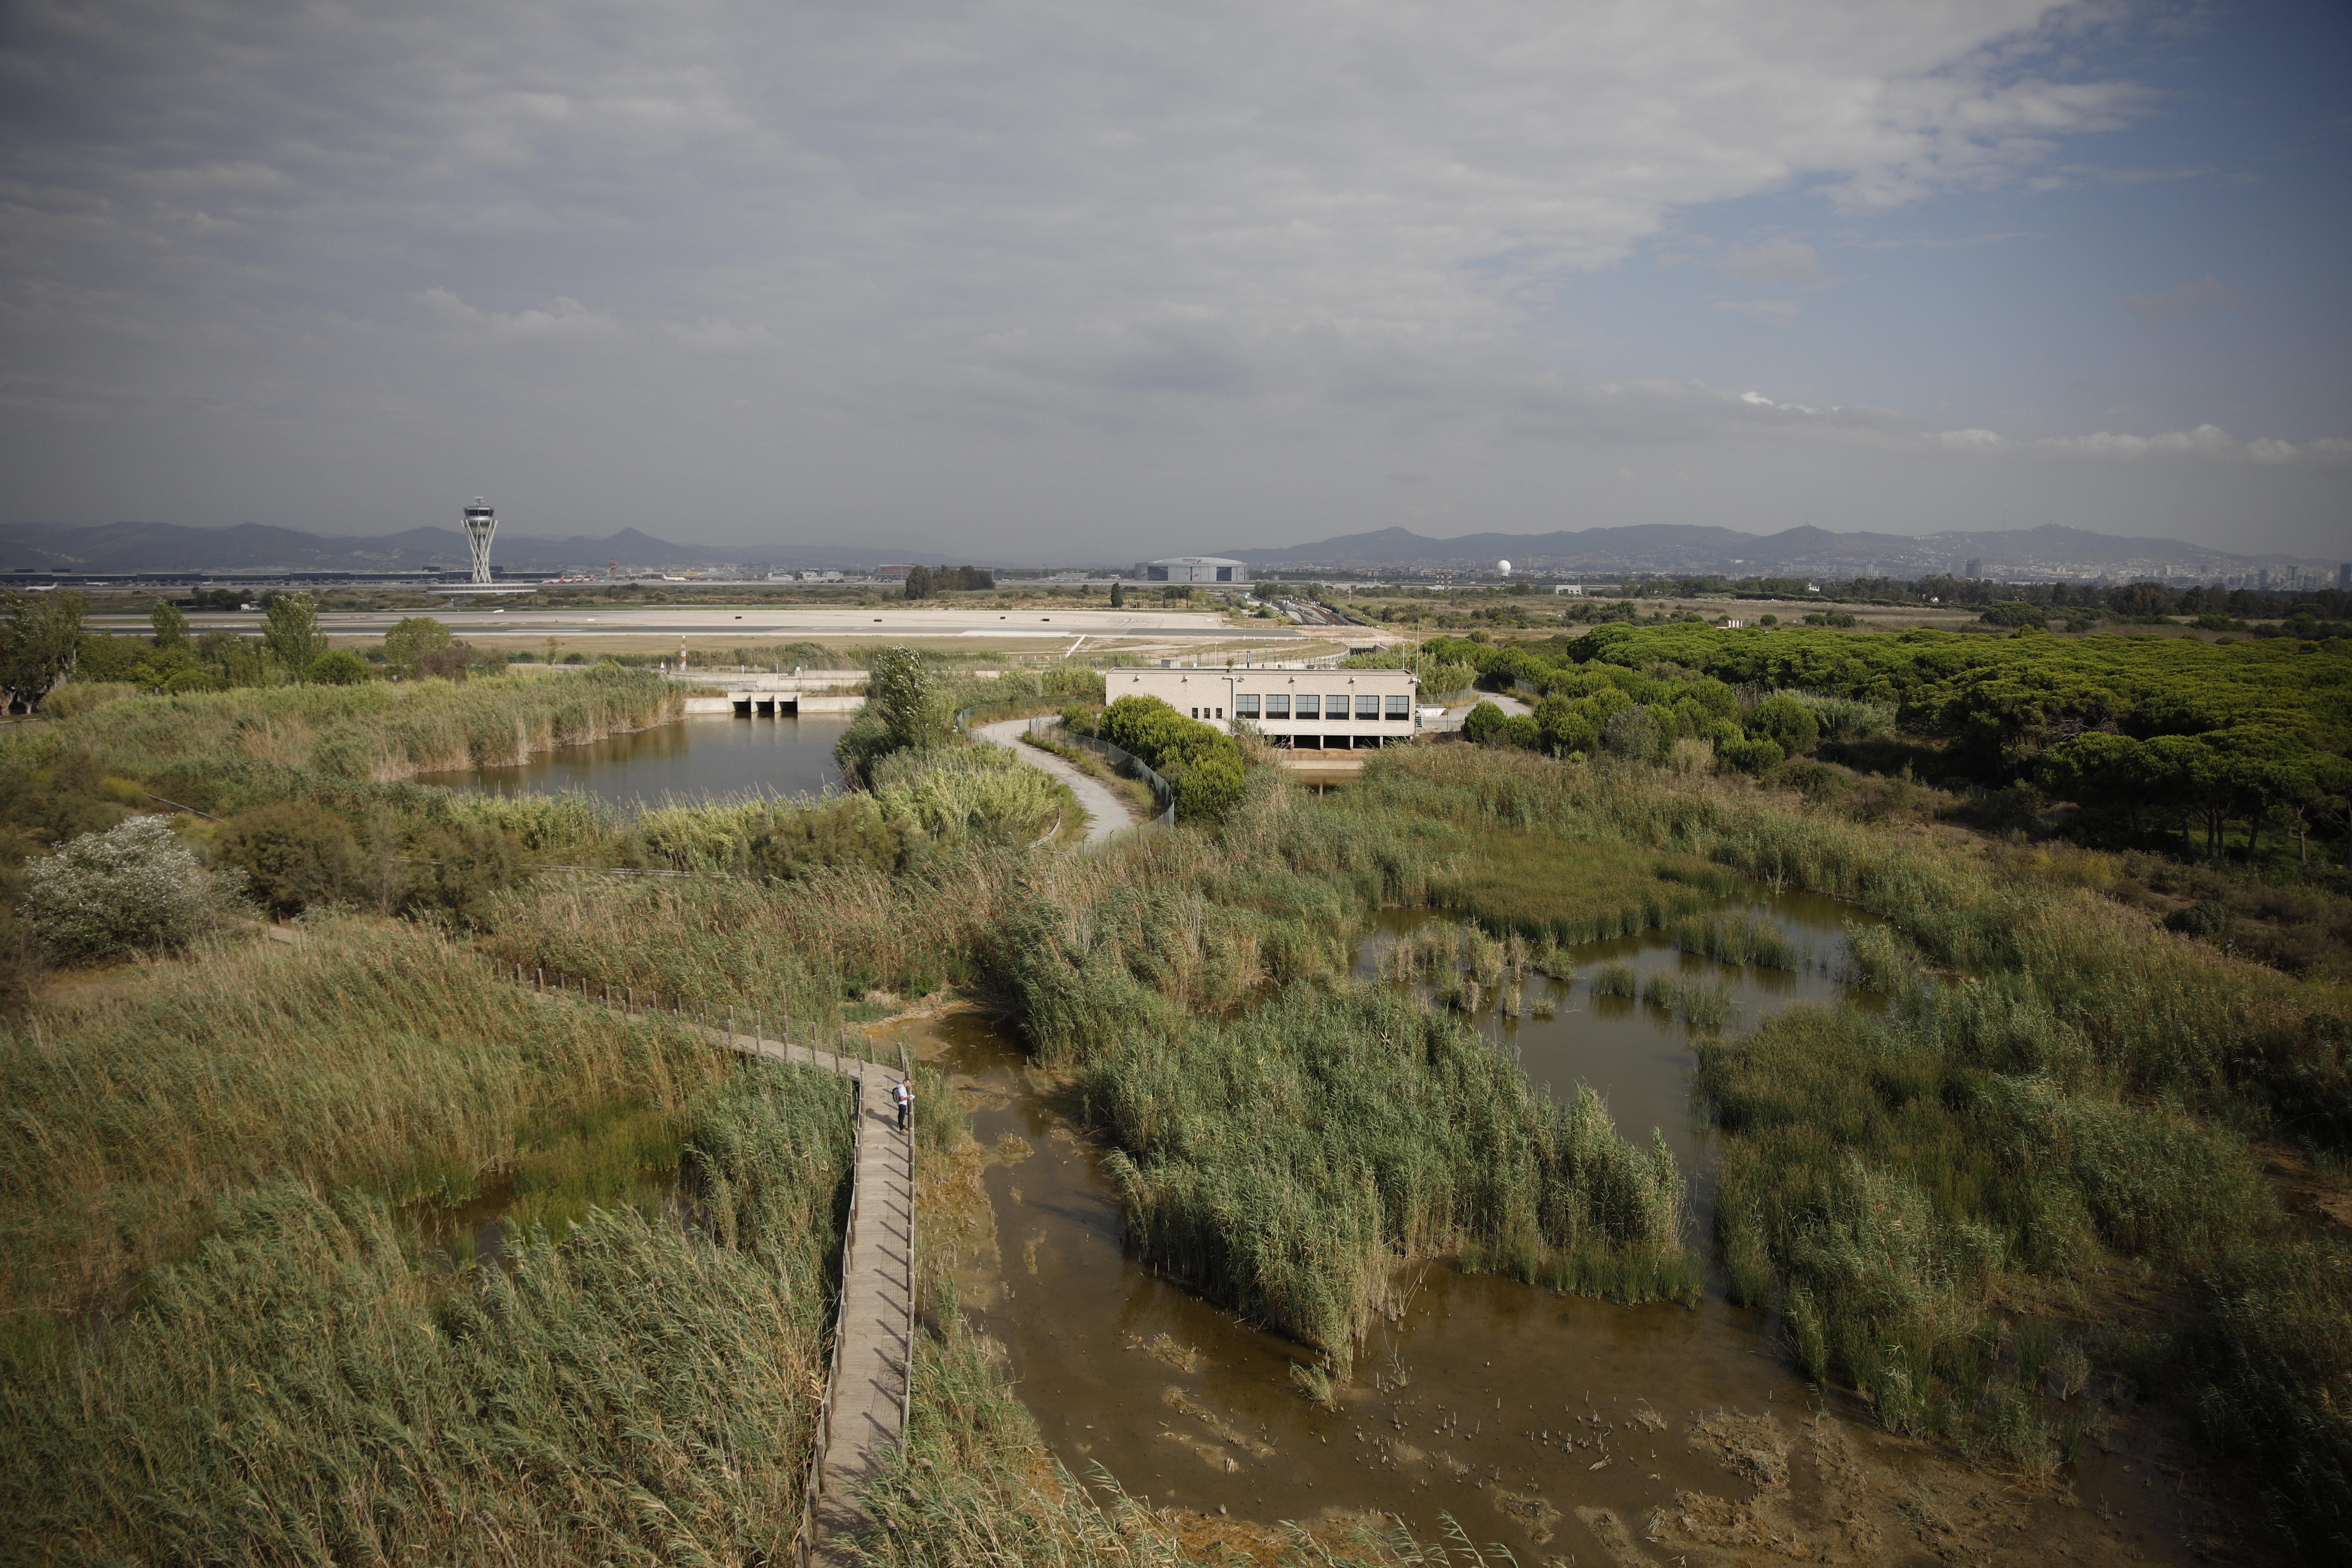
(371,1053)
(2167,1015)
(224,748)
(303,1388)
(1287,1160)
(1739,939)
(971,791)
(1544,886)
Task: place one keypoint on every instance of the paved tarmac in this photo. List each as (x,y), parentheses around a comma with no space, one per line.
(783,623)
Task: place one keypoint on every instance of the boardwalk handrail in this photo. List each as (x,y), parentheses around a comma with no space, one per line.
(856,1069)
(1121,758)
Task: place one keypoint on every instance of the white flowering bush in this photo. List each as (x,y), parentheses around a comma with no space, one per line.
(134,887)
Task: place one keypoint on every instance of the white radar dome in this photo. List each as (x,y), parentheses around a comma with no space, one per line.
(1504,567)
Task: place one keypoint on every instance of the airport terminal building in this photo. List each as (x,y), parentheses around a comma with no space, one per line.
(1192,568)
(1326,709)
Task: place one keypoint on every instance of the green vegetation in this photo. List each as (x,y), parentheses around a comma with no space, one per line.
(1287,1161)
(232,1172)
(2140,731)
(1200,762)
(216,750)
(2061,1102)
(1542,886)
(40,640)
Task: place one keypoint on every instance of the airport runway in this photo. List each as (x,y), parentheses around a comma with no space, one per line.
(785,623)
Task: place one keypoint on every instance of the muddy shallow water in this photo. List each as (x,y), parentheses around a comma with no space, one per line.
(1553,1424)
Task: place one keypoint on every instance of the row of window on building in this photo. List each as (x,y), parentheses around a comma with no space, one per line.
(1278,708)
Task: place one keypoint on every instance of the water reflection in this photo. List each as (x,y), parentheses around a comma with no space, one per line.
(1639,1056)
(698,757)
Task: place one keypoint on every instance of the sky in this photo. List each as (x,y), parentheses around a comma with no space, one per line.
(1062,280)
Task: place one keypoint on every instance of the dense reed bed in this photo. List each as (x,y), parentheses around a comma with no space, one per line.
(1085,945)
(1540,885)
(2057,1099)
(371,1053)
(304,1388)
(223,749)
(1287,1160)
(2162,1014)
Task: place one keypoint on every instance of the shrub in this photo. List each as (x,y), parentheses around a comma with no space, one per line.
(1846,718)
(1176,747)
(134,887)
(851,831)
(296,854)
(1790,723)
(339,667)
(412,640)
(953,793)
(460,866)
(1482,723)
(1749,756)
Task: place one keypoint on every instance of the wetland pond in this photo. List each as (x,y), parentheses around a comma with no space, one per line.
(700,757)
(1553,1424)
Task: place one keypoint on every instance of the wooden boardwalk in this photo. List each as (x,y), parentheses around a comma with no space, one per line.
(870,1383)
(866,1393)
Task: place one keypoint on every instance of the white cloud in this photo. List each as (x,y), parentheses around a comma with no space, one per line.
(881,264)
(2206,441)
(1781,260)
(2207,293)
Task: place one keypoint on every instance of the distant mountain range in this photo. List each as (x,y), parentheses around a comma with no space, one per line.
(2048,550)
(128,547)
(2035,553)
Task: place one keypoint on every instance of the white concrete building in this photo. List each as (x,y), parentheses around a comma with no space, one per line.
(1192,568)
(1326,709)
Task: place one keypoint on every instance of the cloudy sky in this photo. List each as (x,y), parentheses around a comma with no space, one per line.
(1081,280)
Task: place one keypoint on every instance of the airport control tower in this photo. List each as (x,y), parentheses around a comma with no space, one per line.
(481,523)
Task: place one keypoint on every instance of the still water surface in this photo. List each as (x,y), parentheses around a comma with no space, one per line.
(701,757)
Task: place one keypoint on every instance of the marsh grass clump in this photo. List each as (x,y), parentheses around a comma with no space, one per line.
(233,748)
(1287,1161)
(1614,980)
(1659,991)
(1886,1176)
(1459,965)
(1739,939)
(1706,1005)
(953,793)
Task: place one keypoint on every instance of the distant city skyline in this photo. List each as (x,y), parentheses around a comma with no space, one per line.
(1072,282)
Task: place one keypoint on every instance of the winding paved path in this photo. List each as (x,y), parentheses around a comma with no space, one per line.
(1106,813)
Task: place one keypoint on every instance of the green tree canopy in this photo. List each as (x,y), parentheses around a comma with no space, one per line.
(40,640)
(413,641)
(290,634)
(170,627)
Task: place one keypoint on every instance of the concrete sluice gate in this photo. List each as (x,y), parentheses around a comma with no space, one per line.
(767,704)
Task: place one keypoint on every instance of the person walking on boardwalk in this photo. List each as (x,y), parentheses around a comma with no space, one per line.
(904,1094)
